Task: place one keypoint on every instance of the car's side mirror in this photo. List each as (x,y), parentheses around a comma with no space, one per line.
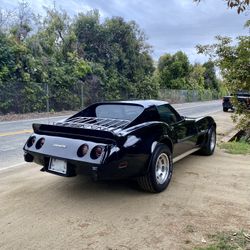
(182,117)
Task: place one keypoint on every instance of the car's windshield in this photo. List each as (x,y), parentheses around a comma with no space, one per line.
(118,111)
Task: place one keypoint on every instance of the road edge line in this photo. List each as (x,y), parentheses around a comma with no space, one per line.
(13,166)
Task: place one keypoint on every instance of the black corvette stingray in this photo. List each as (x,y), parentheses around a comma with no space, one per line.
(124,139)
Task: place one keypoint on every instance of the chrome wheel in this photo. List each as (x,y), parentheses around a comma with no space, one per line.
(212,140)
(162,168)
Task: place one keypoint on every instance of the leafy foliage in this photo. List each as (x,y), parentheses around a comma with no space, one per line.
(106,60)
(71,62)
(210,79)
(196,77)
(240,5)
(234,63)
(236,147)
(173,70)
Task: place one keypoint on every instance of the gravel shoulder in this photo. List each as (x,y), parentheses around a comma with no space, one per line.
(206,195)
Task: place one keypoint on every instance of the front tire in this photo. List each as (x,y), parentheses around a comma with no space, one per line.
(160,171)
(225,109)
(209,146)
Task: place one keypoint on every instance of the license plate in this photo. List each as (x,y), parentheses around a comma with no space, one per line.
(58,166)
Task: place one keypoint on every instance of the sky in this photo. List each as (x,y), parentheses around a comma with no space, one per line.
(170,25)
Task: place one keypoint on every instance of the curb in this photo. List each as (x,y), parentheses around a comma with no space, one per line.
(229,136)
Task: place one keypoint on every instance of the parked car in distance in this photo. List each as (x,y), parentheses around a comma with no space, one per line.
(122,139)
(242,97)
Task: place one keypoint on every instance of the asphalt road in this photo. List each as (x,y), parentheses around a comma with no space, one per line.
(14,134)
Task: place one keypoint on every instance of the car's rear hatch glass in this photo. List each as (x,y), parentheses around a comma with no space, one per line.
(118,111)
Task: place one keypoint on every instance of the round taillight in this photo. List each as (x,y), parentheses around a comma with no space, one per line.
(31,141)
(40,143)
(83,150)
(96,152)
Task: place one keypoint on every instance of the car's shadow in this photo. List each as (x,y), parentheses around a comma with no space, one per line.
(83,187)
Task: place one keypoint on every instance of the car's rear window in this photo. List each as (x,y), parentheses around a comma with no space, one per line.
(118,111)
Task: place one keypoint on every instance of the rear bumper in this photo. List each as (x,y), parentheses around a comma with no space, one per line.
(126,167)
(227,104)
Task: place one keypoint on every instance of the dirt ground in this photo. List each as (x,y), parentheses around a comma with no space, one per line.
(43,211)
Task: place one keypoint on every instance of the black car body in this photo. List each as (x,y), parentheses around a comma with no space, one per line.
(114,140)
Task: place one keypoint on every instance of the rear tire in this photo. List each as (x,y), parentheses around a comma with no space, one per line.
(209,146)
(160,171)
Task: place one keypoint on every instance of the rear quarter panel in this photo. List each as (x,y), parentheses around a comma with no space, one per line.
(139,142)
(203,125)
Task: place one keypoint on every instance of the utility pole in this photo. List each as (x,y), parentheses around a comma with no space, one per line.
(82,94)
(47,99)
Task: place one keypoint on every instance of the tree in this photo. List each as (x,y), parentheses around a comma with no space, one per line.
(19,94)
(233,61)
(118,49)
(210,79)
(173,70)
(48,56)
(22,22)
(240,5)
(55,47)
(196,77)
(5,17)
(73,58)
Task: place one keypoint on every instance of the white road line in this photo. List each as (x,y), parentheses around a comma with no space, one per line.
(13,166)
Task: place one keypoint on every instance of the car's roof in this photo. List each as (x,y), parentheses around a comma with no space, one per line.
(144,103)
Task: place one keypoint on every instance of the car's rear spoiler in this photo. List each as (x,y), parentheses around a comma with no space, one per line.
(72,132)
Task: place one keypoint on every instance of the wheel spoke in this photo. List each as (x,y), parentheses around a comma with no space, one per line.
(158,172)
(162,168)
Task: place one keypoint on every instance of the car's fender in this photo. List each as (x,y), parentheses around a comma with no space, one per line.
(203,124)
(142,140)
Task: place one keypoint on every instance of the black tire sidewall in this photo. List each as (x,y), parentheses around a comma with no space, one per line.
(208,148)
(160,148)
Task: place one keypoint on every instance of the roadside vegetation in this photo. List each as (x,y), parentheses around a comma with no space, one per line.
(59,62)
(228,241)
(236,147)
(232,57)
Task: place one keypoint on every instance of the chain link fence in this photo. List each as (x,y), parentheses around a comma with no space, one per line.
(46,97)
(28,97)
(180,96)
